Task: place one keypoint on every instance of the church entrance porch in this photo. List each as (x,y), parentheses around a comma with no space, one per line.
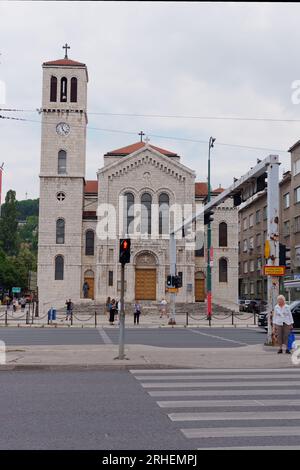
(89,280)
(145,277)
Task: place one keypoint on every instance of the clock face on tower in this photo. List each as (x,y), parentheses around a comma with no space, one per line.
(62,128)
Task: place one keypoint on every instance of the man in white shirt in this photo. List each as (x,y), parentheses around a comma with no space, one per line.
(283,321)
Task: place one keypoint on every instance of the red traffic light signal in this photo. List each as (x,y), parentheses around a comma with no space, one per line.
(124,255)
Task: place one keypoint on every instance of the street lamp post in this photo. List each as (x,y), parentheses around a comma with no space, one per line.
(208,271)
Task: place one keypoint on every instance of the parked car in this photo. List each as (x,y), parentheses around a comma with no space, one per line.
(256,306)
(295,309)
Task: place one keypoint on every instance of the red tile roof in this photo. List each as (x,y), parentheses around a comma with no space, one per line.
(91,187)
(65,63)
(201,189)
(137,146)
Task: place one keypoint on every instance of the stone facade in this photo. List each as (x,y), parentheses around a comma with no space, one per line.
(92,256)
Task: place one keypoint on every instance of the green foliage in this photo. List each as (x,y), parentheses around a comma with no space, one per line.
(18,243)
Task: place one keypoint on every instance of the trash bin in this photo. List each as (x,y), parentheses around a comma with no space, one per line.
(51,314)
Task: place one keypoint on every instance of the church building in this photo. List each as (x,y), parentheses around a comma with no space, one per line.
(141,192)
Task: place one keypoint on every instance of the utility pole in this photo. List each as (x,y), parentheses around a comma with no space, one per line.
(172,247)
(208,270)
(273,238)
(124,257)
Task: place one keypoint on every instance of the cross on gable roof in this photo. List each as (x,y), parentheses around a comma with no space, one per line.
(65,63)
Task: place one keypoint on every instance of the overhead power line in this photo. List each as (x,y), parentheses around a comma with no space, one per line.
(182,139)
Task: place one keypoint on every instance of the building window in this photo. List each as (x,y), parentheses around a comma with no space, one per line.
(286,228)
(53,89)
(245,247)
(251,288)
(257,216)
(223,234)
(265,213)
(223,274)
(110,278)
(259,264)
(251,243)
(129,212)
(146,201)
(297,224)
(63,89)
(258,240)
(60,196)
(73,90)
(163,201)
(245,267)
(296,167)
(59,268)
(245,225)
(62,162)
(89,243)
(251,266)
(245,288)
(297,194)
(60,231)
(259,287)
(265,235)
(251,220)
(286,201)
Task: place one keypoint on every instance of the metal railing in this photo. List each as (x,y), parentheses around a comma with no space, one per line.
(216,318)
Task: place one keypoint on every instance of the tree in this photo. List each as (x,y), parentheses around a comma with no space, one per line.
(27,208)
(28,233)
(9,225)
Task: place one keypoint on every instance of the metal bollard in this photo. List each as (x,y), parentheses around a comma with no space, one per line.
(232,317)
(187,319)
(27,317)
(71,317)
(95,319)
(6,317)
(254,318)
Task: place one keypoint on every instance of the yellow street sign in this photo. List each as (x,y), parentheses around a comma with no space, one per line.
(274,270)
(173,290)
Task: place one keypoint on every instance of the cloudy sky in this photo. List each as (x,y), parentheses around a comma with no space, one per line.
(183,59)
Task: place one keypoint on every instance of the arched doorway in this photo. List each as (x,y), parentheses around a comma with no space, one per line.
(145,277)
(199,286)
(89,279)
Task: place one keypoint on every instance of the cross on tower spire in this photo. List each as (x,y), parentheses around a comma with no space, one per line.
(66,47)
(142,134)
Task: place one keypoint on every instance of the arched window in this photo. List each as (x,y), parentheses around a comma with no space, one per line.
(146,201)
(129,212)
(89,242)
(223,234)
(60,231)
(63,89)
(163,201)
(53,89)
(73,90)
(62,162)
(223,270)
(59,268)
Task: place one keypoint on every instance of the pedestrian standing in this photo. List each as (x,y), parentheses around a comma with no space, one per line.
(283,321)
(112,312)
(137,312)
(107,306)
(69,313)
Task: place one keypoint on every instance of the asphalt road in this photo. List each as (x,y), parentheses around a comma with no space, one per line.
(164,337)
(181,409)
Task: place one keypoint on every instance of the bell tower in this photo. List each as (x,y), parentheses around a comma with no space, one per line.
(62,174)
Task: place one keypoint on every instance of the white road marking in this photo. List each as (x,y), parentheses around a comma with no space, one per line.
(209,371)
(216,377)
(225,403)
(241,432)
(283,383)
(104,336)
(235,416)
(220,393)
(219,337)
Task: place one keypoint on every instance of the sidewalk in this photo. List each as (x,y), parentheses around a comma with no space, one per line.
(102,357)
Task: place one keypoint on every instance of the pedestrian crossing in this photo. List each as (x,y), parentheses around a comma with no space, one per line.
(229,408)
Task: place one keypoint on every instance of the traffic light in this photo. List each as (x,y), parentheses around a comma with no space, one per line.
(261,182)
(208,217)
(284,255)
(178,280)
(169,281)
(124,256)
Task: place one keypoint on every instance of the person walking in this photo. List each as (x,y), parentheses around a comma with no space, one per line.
(136,312)
(283,321)
(112,312)
(23,303)
(163,308)
(69,313)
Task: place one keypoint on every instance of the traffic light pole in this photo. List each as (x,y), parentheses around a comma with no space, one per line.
(172,272)
(273,238)
(208,270)
(122,315)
